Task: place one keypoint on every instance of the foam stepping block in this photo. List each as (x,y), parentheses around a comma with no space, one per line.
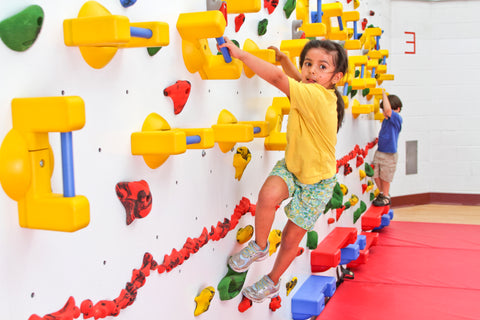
(372,218)
(328,254)
(371,240)
(385,220)
(309,300)
(352,251)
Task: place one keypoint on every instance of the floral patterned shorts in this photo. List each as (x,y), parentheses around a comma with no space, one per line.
(308,200)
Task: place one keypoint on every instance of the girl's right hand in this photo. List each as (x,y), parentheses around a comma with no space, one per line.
(279,55)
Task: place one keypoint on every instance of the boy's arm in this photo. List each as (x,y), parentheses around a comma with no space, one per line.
(287,65)
(265,70)
(387,108)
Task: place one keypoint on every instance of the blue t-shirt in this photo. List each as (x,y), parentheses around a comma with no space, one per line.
(388,136)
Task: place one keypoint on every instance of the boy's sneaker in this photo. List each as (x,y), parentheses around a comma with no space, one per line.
(241,261)
(262,289)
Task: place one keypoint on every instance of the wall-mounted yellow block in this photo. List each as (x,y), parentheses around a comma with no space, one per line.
(302,12)
(207,138)
(160,35)
(345,101)
(374,92)
(378,116)
(158,142)
(368,38)
(358,109)
(358,83)
(331,10)
(276,140)
(243,6)
(195,28)
(265,54)
(228,131)
(108,30)
(294,48)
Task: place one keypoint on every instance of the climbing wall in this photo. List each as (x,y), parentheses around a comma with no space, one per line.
(90,265)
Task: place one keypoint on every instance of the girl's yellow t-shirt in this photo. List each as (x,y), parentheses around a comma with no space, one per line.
(311,132)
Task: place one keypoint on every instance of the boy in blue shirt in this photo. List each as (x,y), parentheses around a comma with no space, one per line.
(386,156)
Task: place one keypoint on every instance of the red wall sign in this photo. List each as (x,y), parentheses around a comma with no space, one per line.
(412,42)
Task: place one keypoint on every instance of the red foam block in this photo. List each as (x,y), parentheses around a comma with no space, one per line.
(327,253)
(372,218)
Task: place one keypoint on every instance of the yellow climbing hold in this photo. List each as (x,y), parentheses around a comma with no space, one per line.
(244,234)
(203,300)
(274,239)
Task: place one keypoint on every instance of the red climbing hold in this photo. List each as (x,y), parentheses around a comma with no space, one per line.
(330,220)
(340,211)
(270,5)
(69,312)
(239,20)
(136,199)
(179,92)
(359,161)
(364,23)
(245,304)
(223,9)
(275,303)
(300,251)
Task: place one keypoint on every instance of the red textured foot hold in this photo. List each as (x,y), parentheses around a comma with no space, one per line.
(245,304)
(69,312)
(275,303)
(270,5)
(179,92)
(136,199)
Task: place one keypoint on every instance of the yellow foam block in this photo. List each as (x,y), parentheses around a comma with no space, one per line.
(243,6)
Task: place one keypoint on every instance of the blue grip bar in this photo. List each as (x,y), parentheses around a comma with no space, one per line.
(377,47)
(141,32)
(355,32)
(67,164)
(256,130)
(373,72)
(345,88)
(362,73)
(225,53)
(193,139)
(340,23)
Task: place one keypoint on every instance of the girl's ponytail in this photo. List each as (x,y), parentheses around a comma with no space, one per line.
(340,108)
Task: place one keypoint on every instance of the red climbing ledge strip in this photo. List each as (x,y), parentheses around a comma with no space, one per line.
(355,152)
(105,308)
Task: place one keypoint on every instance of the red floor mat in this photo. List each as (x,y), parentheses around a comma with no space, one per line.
(416,271)
(360,301)
(434,235)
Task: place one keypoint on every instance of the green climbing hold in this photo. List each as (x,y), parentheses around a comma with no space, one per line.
(372,196)
(365,92)
(349,90)
(353,93)
(262,27)
(20,31)
(235,42)
(153,50)
(312,240)
(357,73)
(231,285)
(359,211)
(368,170)
(336,199)
(289,7)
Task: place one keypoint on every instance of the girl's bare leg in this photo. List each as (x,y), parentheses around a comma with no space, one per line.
(291,237)
(273,192)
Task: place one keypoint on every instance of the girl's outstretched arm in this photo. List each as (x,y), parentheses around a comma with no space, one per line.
(287,65)
(265,70)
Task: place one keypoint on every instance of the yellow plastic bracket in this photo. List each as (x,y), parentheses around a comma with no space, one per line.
(358,109)
(228,131)
(331,10)
(243,6)
(157,140)
(99,34)
(351,16)
(26,163)
(317,29)
(277,140)
(368,39)
(357,61)
(265,54)
(195,28)
(377,93)
(383,77)
(293,48)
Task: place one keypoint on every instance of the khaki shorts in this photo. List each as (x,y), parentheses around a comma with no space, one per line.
(385,165)
(308,200)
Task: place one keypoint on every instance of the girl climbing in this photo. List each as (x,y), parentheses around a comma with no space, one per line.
(307,173)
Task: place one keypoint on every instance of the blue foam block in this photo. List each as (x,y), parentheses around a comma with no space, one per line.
(309,300)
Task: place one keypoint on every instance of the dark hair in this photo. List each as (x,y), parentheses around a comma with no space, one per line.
(340,61)
(395,102)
